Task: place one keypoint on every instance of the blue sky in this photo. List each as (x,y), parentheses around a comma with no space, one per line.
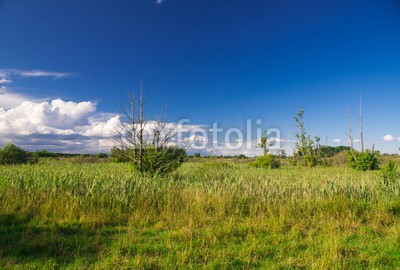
(225,61)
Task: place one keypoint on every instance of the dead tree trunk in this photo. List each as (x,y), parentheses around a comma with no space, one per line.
(361,127)
(350,134)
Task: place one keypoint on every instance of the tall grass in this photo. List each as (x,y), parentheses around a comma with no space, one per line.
(206,215)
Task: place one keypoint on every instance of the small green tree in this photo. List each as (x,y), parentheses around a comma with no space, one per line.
(264,144)
(305,153)
(301,135)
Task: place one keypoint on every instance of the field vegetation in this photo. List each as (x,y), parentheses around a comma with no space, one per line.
(212,214)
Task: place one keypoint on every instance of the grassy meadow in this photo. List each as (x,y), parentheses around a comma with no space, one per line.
(206,215)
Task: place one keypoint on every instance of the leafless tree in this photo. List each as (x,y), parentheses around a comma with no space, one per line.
(350,134)
(361,127)
(142,139)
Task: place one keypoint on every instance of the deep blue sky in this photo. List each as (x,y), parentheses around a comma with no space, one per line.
(223,61)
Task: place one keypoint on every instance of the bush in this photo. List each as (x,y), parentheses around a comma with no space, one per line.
(12,154)
(366,161)
(310,160)
(162,161)
(267,161)
(390,173)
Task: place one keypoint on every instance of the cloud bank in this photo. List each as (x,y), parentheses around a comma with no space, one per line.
(57,125)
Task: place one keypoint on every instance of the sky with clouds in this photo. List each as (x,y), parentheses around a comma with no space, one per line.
(65,66)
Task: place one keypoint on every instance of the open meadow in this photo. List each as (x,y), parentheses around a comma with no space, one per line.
(206,215)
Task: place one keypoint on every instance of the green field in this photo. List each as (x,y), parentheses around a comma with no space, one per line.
(206,215)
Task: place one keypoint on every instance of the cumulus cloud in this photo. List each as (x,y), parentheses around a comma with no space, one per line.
(55,124)
(389,138)
(337,141)
(55,117)
(76,127)
(9,99)
(67,126)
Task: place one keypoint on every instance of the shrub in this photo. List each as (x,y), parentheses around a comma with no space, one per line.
(119,155)
(162,161)
(310,160)
(390,173)
(366,161)
(12,154)
(267,161)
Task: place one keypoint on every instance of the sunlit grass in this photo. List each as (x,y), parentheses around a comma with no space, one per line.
(210,215)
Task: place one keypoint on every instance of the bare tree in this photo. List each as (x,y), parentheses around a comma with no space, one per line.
(350,134)
(361,127)
(145,141)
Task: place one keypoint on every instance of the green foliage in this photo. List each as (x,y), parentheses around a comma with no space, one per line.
(268,161)
(310,160)
(197,155)
(45,153)
(330,151)
(118,155)
(162,161)
(101,155)
(306,151)
(264,144)
(367,161)
(12,154)
(390,173)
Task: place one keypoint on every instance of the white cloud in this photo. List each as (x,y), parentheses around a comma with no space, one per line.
(388,138)
(55,117)
(101,129)
(9,100)
(66,126)
(4,81)
(337,141)
(4,78)
(6,74)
